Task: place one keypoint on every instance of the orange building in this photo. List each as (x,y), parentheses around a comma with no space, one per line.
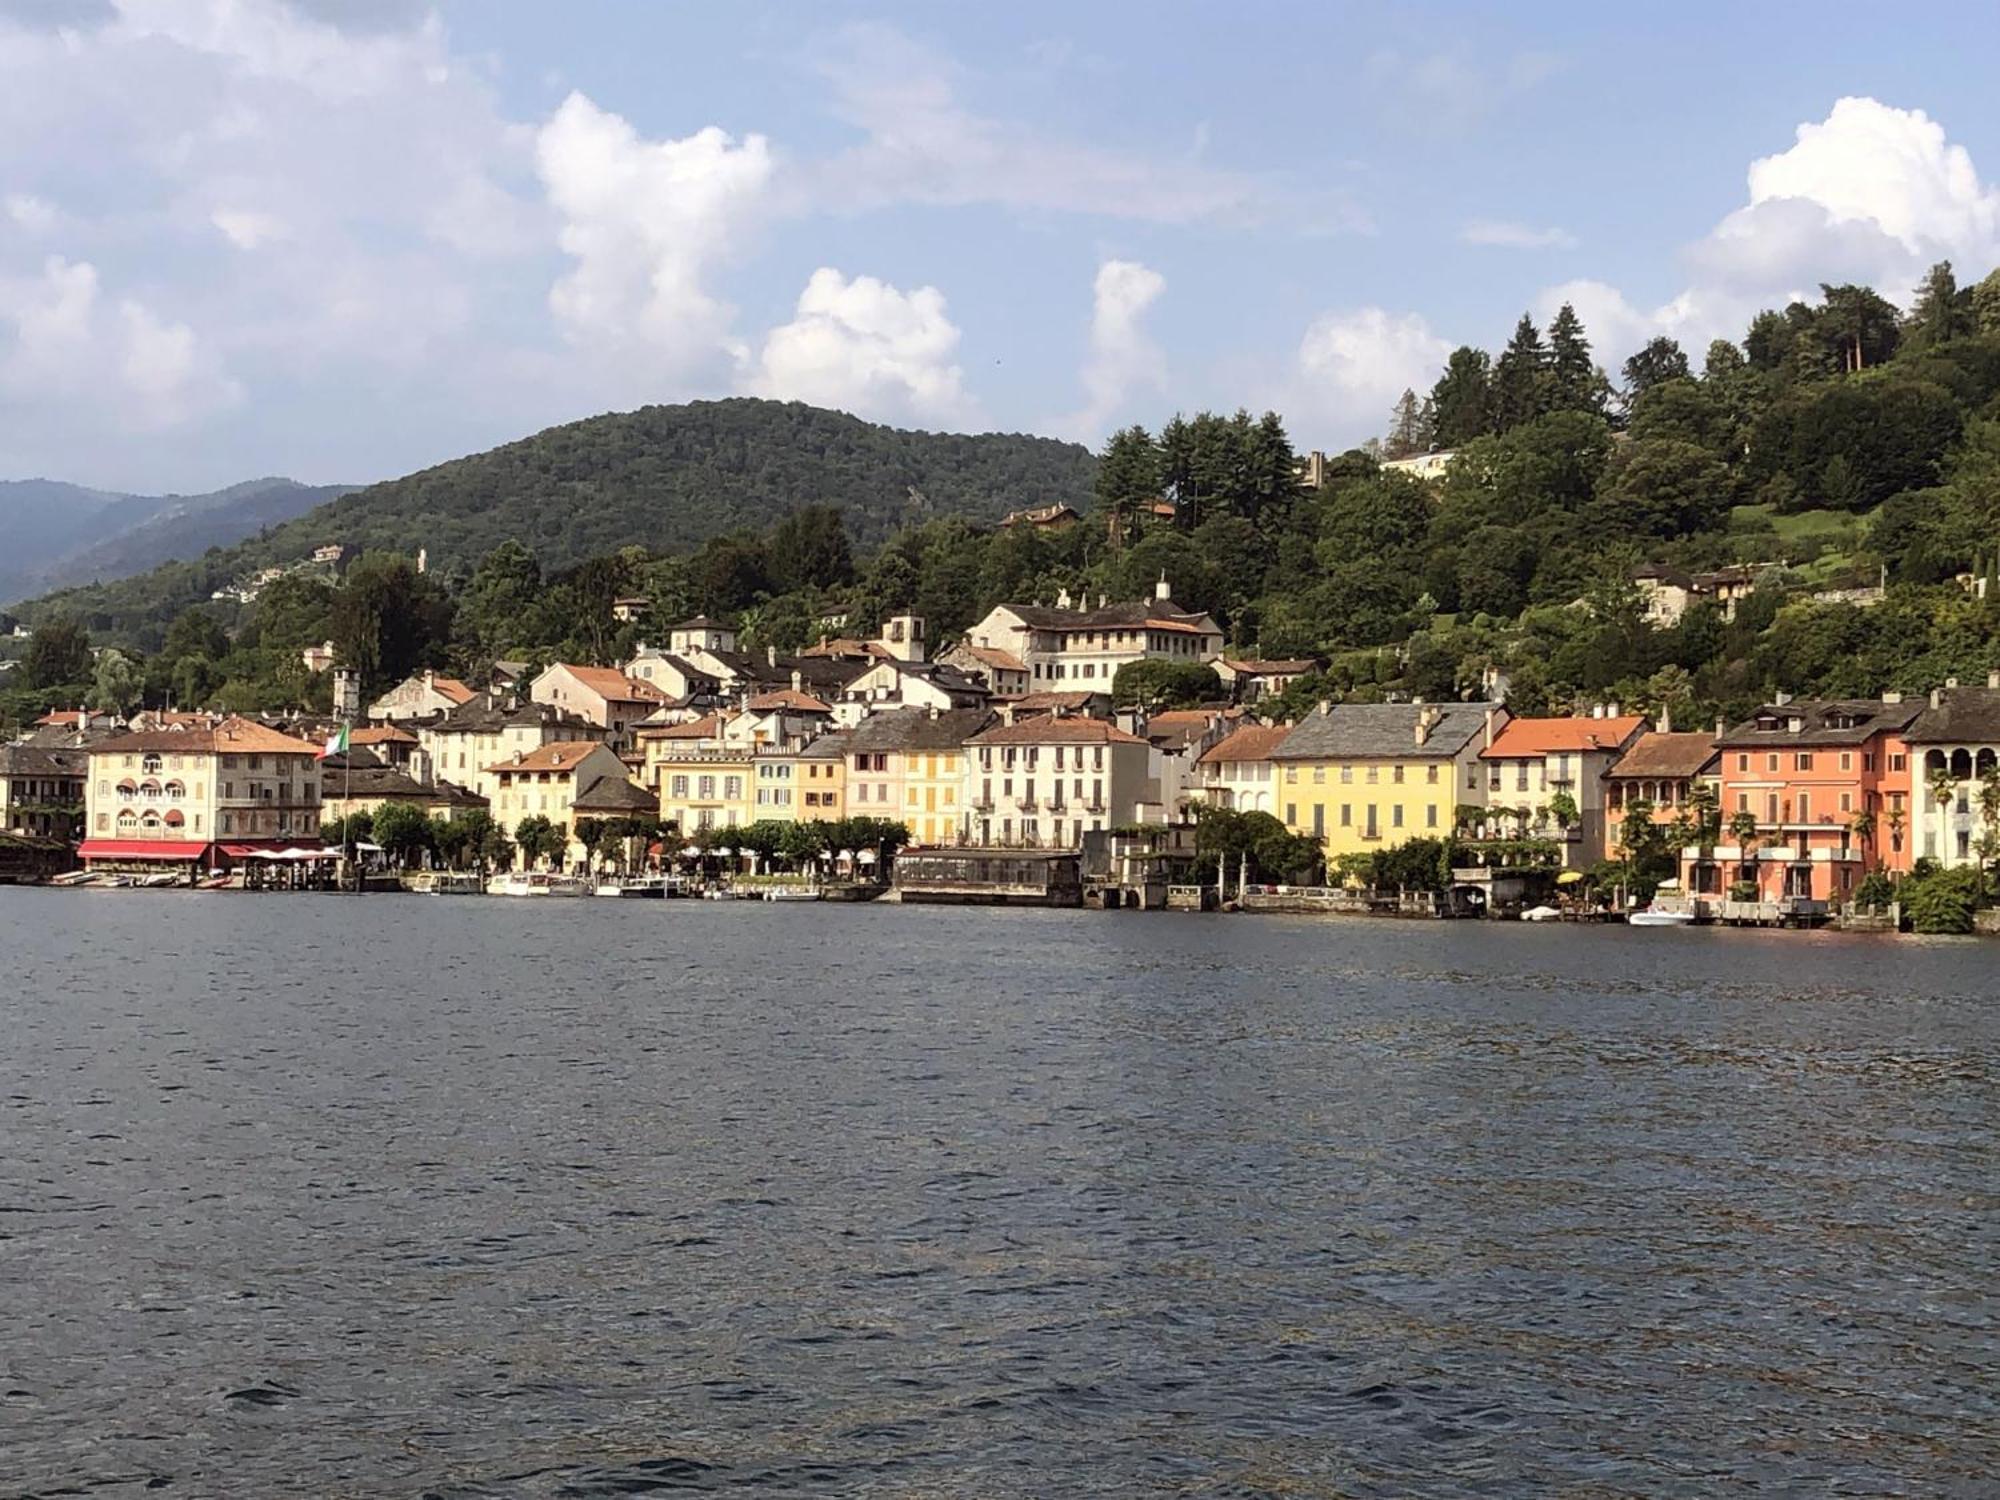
(1661,770)
(1828,783)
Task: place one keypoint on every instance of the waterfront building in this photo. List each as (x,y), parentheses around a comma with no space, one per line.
(179,796)
(1533,763)
(600,695)
(1177,739)
(1365,776)
(357,784)
(819,778)
(1044,782)
(909,764)
(488,731)
(547,781)
(1072,645)
(1827,783)
(1238,773)
(1955,775)
(41,790)
(422,696)
(1661,769)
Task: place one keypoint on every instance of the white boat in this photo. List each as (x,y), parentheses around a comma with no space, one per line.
(537,883)
(1540,914)
(77,877)
(1653,916)
(637,887)
(450,883)
(792,893)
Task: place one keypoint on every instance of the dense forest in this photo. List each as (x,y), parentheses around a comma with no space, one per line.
(662,477)
(1844,443)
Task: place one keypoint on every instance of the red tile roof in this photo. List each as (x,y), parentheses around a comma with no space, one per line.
(613,685)
(787,699)
(1053,731)
(1251,742)
(231,737)
(561,756)
(1521,738)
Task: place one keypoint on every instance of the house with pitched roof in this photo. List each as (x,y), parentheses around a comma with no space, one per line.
(1660,771)
(1955,742)
(1251,678)
(1072,645)
(1001,672)
(199,796)
(601,695)
(422,696)
(1043,782)
(1238,772)
(358,782)
(1534,765)
(41,790)
(458,746)
(909,764)
(546,783)
(1804,771)
(892,684)
(1366,776)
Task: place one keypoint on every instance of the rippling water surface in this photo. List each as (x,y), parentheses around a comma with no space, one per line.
(478,1198)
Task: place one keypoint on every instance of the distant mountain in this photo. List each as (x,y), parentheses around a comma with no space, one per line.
(662,477)
(54,534)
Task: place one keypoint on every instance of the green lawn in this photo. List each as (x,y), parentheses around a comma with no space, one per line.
(1808,529)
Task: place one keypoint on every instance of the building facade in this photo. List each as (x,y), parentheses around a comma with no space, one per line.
(546,782)
(908,764)
(42,790)
(1239,773)
(603,696)
(1659,771)
(194,795)
(1534,764)
(1955,775)
(1043,782)
(1365,776)
(1072,645)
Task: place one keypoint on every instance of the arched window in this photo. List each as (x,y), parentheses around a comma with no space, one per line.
(1934,761)
(128,819)
(150,765)
(175,791)
(150,790)
(1961,764)
(127,789)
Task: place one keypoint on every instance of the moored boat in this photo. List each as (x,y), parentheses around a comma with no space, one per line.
(1654,916)
(537,883)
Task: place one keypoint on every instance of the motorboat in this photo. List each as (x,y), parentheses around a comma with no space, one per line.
(537,883)
(791,893)
(637,887)
(1654,916)
(1540,914)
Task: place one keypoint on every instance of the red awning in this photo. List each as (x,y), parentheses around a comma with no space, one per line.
(173,850)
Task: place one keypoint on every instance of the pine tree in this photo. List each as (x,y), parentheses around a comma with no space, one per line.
(1573,376)
(1406,423)
(1128,478)
(1941,312)
(1462,400)
(1521,385)
(1661,359)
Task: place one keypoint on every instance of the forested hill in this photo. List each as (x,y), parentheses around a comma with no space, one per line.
(663,478)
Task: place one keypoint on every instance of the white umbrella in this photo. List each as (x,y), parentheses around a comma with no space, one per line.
(691,851)
(723,853)
(847,854)
(866,857)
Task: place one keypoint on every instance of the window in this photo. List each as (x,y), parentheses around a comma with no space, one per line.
(1847,760)
(1743,765)
(1396,775)
(1431,816)
(1771,763)
(1802,761)
(1347,775)
(1899,763)
(1319,820)
(705,788)
(1291,814)
(1374,775)
(1847,802)
(1319,775)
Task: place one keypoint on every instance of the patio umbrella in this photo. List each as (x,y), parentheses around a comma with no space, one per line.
(691,852)
(723,853)
(866,857)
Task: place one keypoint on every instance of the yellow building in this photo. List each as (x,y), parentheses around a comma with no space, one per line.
(821,779)
(547,782)
(1366,776)
(908,764)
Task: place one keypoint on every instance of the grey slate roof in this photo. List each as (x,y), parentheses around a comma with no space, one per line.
(918,729)
(1964,716)
(609,793)
(1385,731)
(1822,721)
(44,762)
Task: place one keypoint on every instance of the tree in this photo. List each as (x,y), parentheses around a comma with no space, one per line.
(404,831)
(494,607)
(1743,828)
(389,619)
(1128,478)
(809,550)
(58,655)
(1941,312)
(116,684)
(1984,303)
(538,839)
(1661,487)
(1155,685)
(1521,384)
(1853,330)
(1573,377)
(1407,432)
(1660,360)
(1462,400)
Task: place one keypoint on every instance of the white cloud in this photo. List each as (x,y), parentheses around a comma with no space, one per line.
(32,214)
(1871,194)
(1451,88)
(1506,235)
(60,343)
(924,145)
(1123,357)
(865,347)
(246,229)
(647,223)
(1353,365)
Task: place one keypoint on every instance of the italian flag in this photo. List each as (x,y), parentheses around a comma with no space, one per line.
(336,744)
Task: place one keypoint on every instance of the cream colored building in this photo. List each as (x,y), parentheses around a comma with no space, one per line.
(1044,782)
(420,697)
(186,795)
(1239,773)
(546,783)
(602,695)
(908,764)
(459,747)
(1073,645)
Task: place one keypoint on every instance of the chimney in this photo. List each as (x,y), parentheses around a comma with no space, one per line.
(1937,697)
(1325,707)
(1993,681)
(1893,695)
(1489,728)
(1781,699)
(1160,589)
(798,680)
(1611,709)
(932,710)
(1721,726)
(1666,719)
(1951,682)
(771,656)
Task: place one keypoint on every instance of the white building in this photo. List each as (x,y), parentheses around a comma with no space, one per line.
(1239,773)
(1072,645)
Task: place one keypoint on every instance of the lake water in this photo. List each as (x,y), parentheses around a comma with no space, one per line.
(477,1198)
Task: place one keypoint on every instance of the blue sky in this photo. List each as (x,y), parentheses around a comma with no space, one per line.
(342,239)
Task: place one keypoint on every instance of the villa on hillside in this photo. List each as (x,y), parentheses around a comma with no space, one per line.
(1073,644)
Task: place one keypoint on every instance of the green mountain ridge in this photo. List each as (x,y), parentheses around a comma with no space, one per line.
(661,477)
